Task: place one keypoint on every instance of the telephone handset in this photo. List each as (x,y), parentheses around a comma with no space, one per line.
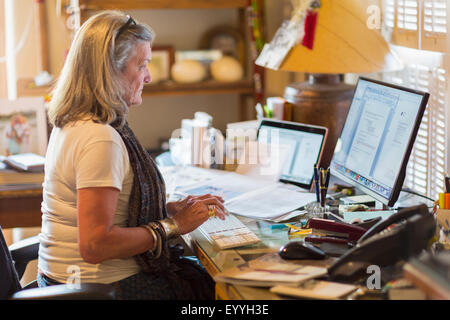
(395,218)
(396,238)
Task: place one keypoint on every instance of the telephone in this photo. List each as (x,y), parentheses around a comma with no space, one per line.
(402,235)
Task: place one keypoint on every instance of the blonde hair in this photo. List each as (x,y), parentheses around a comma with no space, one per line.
(90,83)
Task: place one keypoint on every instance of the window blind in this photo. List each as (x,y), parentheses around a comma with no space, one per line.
(427,164)
(407,15)
(419,24)
(422,25)
(434,26)
(402,21)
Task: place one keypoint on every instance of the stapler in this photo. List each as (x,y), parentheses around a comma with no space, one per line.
(335,238)
(336,230)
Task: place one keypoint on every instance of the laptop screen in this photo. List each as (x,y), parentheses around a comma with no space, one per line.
(304,143)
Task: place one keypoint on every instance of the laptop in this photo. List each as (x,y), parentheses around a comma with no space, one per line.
(305,144)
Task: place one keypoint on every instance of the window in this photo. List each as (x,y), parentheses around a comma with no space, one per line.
(422,26)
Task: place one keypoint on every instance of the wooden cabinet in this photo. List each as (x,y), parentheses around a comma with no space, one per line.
(245,88)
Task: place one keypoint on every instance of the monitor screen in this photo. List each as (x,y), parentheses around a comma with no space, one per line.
(374,147)
(304,143)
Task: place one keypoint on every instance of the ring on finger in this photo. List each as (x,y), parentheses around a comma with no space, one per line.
(211,210)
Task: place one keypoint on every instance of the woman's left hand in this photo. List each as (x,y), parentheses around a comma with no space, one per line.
(177,206)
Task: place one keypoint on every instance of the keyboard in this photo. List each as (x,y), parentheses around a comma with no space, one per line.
(228,233)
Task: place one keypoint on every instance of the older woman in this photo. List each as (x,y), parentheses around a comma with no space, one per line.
(105,217)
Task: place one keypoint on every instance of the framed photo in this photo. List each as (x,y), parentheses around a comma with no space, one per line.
(162,60)
(23,126)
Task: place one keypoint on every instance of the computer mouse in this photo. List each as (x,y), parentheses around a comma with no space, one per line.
(301,250)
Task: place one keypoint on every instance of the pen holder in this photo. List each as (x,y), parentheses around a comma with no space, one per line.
(315,210)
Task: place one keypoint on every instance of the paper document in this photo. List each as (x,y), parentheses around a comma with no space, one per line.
(316,290)
(227,186)
(250,197)
(366,215)
(270,203)
(267,272)
(178,177)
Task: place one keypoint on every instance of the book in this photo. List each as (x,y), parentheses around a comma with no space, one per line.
(264,272)
(29,162)
(12,177)
(316,289)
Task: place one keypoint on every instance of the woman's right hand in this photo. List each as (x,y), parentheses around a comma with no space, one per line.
(196,212)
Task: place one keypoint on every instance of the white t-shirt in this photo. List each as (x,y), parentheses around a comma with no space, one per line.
(82,154)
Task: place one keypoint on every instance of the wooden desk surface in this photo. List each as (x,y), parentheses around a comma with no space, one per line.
(215,260)
(20,205)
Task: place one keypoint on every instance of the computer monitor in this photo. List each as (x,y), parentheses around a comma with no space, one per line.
(377,138)
(305,144)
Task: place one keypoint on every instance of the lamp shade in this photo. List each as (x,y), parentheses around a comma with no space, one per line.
(344,42)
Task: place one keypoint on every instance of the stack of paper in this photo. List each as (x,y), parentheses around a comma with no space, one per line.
(265,272)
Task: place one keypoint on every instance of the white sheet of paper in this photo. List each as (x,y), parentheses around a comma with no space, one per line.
(270,203)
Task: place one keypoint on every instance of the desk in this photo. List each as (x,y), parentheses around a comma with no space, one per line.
(215,260)
(20,206)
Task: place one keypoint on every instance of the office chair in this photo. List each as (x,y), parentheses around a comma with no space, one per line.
(13,261)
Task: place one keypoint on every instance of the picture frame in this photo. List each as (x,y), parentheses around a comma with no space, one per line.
(163,58)
(23,126)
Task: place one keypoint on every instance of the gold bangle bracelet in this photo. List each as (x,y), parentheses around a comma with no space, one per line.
(156,227)
(154,236)
(170,228)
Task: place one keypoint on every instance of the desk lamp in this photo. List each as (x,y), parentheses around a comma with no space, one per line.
(340,37)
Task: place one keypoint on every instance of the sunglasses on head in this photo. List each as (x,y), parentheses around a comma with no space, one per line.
(125,26)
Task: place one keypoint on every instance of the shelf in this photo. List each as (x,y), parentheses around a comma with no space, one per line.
(161,4)
(204,87)
(27,88)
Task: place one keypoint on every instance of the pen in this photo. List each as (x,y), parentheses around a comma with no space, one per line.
(316,182)
(322,187)
(327,181)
